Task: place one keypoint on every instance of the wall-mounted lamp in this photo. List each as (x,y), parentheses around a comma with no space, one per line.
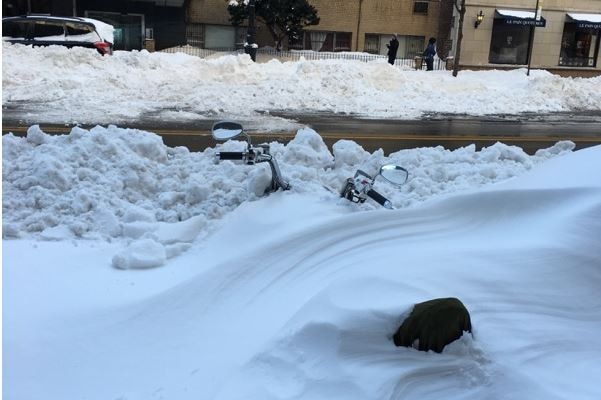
(479,19)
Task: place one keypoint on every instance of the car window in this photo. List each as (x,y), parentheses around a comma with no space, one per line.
(81,32)
(14,29)
(48,30)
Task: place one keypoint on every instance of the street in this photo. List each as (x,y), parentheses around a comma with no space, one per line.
(529,131)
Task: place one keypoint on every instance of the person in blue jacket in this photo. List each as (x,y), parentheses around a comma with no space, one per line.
(429,54)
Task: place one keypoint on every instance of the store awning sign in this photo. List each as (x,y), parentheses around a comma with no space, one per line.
(165,3)
(518,17)
(586,21)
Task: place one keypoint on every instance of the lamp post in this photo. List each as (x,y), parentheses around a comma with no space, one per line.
(531,39)
(358,26)
(250,47)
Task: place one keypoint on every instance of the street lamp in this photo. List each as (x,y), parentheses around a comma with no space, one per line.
(358,26)
(479,19)
(250,47)
(531,39)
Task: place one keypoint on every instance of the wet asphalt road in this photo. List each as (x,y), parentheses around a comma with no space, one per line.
(529,131)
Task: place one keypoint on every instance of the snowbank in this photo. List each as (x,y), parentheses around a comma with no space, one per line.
(113,183)
(79,85)
(110,182)
(297,297)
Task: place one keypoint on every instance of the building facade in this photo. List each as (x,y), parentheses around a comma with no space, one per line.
(345,25)
(208,26)
(563,36)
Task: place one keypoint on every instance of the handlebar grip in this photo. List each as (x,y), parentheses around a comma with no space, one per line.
(383,201)
(230,155)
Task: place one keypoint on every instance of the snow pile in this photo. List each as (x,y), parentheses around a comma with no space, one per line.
(122,183)
(110,182)
(78,85)
(296,297)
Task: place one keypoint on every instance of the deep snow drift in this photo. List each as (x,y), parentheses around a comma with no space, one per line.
(294,295)
(78,85)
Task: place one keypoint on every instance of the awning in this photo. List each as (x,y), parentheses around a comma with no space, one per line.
(586,20)
(519,17)
(166,3)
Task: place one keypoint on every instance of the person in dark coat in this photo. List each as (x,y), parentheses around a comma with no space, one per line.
(429,54)
(393,47)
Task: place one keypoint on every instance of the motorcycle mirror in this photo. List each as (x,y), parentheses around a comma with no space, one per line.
(394,174)
(226,130)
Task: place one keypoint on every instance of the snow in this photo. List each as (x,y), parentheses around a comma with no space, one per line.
(85,87)
(111,182)
(106,31)
(293,295)
(133,270)
(585,17)
(517,13)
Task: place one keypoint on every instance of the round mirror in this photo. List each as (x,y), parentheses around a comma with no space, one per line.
(394,174)
(225,130)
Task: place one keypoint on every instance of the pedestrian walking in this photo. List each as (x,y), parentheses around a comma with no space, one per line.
(429,54)
(393,47)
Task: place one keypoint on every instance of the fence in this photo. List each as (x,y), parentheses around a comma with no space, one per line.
(266,54)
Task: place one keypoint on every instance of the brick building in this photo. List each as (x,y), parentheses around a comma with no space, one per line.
(566,38)
(345,25)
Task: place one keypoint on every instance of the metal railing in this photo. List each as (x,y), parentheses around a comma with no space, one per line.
(267,54)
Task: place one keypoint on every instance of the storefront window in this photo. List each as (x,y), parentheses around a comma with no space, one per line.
(579,46)
(509,43)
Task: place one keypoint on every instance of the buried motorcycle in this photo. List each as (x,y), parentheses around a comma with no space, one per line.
(356,189)
(226,130)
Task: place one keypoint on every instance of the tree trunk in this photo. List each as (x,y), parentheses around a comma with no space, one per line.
(445,28)
(461,10)
(280,41)
(277,41)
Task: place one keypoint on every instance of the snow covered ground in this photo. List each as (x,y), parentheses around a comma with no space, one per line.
(78,85)
(294,295)
(135,271)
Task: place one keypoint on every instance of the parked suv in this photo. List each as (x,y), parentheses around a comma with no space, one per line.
(46,30)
